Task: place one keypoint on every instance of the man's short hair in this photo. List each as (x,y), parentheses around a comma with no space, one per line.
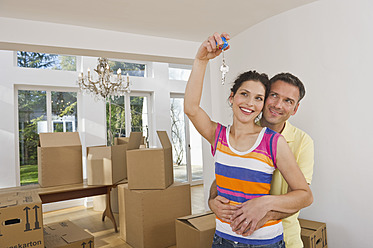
(290,79)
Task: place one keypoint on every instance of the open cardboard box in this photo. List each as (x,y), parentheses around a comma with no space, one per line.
(313,234)
(59,159)
(107,165)
(195,231)
(66,234)
(21,220)
(148,216)
(151,168)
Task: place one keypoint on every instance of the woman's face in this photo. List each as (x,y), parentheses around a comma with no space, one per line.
(248,101)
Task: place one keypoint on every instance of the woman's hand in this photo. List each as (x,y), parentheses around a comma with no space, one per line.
(250,213)
(221,208)
(210,48)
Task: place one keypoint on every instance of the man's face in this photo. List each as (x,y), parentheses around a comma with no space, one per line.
(281,103)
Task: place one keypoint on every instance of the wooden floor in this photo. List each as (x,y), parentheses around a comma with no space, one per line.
(103,232)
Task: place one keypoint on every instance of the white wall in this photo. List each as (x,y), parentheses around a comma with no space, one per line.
(21,33)
(328,45)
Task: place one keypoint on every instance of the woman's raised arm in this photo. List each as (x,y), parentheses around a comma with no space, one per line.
(193,92)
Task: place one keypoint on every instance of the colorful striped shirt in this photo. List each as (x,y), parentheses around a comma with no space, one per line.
(241,176)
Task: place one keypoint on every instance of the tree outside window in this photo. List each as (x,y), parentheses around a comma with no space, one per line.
(46,61)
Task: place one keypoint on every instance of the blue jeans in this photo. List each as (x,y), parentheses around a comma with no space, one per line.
(219,242)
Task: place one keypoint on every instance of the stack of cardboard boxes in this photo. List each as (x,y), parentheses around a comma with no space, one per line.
(151,201)
(21,219)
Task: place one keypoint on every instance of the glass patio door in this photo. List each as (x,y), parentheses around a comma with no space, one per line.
(40,111)
(186,145)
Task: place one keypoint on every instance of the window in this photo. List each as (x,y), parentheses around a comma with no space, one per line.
(186,144)
(46,61)
(64,115)
(129,113)
(42,111)
(179,72)
(133,69)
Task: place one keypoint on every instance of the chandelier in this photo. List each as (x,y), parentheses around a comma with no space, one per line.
(104,87)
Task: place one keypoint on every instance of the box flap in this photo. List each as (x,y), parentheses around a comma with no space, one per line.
(68,231)
(59,139)
(204,223)
(18,198)
(9,203)
(98,152)
(121,140)
(165,141)
(310,225)
(8,199)
(134,140)
(75,235)
(201,222)
(194,215)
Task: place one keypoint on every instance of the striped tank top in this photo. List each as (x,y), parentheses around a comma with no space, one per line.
(241,176)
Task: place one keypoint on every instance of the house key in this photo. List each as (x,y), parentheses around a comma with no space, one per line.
(224,70)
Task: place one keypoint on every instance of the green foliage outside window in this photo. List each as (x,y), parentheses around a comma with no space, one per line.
(46,61)
(118,127)
(136,113)
(31,109)
(133,69)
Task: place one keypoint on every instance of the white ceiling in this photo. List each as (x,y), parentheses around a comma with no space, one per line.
(191,20)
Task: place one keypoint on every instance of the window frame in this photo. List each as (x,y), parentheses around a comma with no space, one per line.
(150,110)
(127,112)
(48,90)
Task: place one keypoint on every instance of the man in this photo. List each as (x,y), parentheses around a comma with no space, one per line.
(284,94)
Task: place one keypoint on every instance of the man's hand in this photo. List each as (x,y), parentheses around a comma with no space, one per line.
(221,207)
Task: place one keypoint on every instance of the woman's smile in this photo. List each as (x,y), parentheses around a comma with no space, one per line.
(247,111)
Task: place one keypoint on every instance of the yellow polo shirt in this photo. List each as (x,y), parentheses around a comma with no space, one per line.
(301,144)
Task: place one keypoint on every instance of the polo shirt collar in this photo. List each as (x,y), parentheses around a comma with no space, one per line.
(288,132)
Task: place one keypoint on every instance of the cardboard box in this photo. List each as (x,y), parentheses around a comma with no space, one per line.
(195,231)
(21,220)
(151,168)
(107,165)
(149,215)
(122,211)
(59,159)
(313,234)
(66,234)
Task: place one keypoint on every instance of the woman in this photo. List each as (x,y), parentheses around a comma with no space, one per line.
(245,154)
